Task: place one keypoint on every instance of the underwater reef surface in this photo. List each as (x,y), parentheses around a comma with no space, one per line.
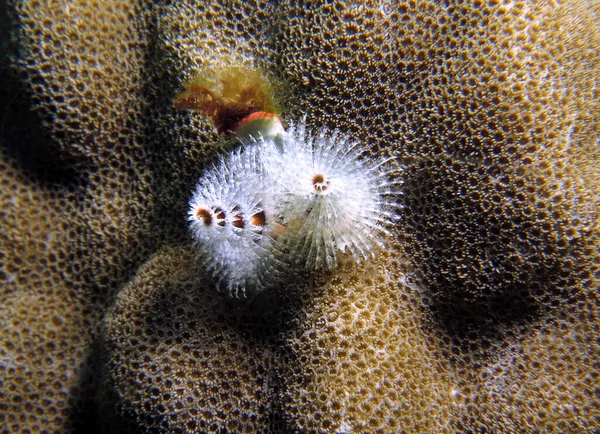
(482,313)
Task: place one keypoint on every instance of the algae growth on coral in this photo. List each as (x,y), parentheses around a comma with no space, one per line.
(482,315)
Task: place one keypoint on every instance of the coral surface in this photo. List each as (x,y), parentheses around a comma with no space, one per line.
(482,313)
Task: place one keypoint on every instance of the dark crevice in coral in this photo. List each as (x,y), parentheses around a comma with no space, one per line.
(477,329)
(169,215)
(85,417)
(22,135)
(487,274)
(31,150)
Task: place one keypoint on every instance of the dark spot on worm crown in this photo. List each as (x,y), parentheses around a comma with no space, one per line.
(238,221)
(204,215)
(318,179)
(220,215)
(238,218)
(259,219)
(320,183)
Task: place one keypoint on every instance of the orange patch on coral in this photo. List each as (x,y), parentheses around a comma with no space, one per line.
(227,95)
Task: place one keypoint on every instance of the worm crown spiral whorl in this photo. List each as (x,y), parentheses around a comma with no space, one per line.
(310,196)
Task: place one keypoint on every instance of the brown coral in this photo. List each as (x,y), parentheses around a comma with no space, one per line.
(43,339)
(180,357)
(494,110)
(362,357)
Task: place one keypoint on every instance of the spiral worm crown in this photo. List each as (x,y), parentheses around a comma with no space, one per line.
(295,200)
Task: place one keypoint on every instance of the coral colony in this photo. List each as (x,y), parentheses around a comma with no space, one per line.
(289,199)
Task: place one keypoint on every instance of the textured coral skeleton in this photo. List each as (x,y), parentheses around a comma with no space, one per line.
(481,315)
